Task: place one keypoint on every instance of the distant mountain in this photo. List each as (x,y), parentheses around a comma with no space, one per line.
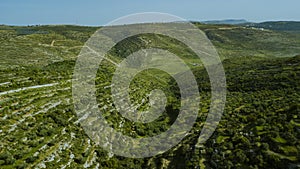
(290,26)
(227,21)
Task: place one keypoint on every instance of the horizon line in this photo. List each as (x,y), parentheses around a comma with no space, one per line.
(191,21)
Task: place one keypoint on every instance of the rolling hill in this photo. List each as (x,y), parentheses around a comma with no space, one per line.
(260,127)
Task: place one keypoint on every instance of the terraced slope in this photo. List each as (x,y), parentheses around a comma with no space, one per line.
(39,128)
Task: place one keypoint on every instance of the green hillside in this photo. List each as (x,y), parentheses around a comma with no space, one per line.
(260,127)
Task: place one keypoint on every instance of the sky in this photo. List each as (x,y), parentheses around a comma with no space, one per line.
(101,12)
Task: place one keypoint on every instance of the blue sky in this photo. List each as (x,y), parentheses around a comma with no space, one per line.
(100,12)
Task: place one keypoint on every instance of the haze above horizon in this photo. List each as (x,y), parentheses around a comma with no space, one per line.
(94,12)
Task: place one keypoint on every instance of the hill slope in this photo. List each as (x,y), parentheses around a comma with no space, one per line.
(259,129)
